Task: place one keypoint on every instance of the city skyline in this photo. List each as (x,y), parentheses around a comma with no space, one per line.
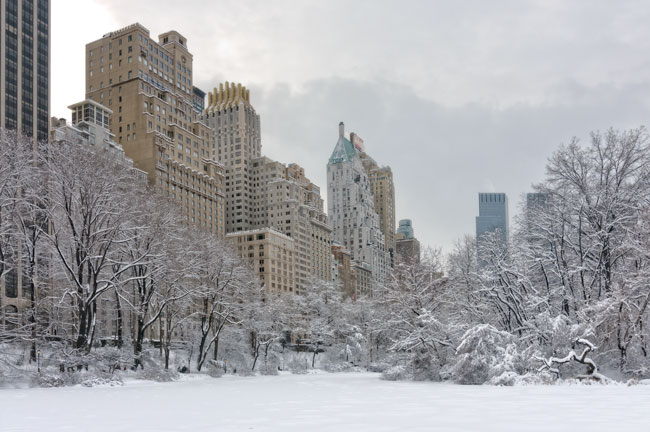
(520,99)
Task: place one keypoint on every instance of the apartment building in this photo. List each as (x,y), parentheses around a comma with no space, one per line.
(90,126)
(235,142)
(157,119)
(271,256)
(407,247)
(287,201)
(383,193)
(263,193)
(351,210)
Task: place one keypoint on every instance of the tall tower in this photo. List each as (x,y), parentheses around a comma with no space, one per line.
(493,216)
(235,142)
(407,247)
(351,210)
(148,86)
(25,66)
(24,105)
(383,192)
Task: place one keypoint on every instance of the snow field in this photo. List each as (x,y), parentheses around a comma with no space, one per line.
(324,402)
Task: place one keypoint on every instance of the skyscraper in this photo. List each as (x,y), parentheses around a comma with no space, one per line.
(24,101)
(383,192)
(262,193)
(493,215)
(351,209)
(235,142)
(406,228)
(156,118)
(407,247)
(25,66)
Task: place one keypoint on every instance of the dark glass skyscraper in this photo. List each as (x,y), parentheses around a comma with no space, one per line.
(25,66)
(493,215)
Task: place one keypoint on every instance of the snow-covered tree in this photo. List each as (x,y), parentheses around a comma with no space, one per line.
(88,216)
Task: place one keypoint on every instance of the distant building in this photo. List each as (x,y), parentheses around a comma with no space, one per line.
(405,228)
(236,140)
(148,86)
(355,223)
(493,216)
(407,250)
(344,270)
(25,67)
(90,126)
(383,192)
(270,255)
(536,203)
(407,247)
(363,279)
(284,199)
(535,200)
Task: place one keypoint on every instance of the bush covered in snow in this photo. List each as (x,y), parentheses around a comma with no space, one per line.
(397,373)
(157,374)
(486,354)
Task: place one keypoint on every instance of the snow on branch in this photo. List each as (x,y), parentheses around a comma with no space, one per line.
(592,369)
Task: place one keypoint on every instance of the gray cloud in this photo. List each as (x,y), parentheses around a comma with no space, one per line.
(441,156)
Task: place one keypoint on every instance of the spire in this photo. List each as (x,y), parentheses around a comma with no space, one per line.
(344,150)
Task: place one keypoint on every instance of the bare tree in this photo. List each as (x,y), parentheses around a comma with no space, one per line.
(88,215)
(224,288)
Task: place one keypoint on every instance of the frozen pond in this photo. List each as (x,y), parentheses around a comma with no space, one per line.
(323,402)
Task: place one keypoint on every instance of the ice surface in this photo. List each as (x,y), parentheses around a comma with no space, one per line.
(324,402)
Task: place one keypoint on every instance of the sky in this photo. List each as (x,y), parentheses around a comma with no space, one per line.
(456,97)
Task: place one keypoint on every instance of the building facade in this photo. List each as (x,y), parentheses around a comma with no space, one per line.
(405,228)
(383,192)
(263,193)
(493,216)
(287,201)
(90,126)
(407,247)
(236,140)
(157,119)
(351,210)
(24,104)
(25,67)
(271,256)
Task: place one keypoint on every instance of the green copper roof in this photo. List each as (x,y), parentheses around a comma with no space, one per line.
(344,151)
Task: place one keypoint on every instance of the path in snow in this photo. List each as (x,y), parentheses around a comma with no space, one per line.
(324,402)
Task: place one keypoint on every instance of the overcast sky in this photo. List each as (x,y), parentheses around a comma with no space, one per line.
(457,97)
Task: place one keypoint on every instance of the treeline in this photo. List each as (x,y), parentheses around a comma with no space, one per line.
(575,276)
(103,260)
(112,275)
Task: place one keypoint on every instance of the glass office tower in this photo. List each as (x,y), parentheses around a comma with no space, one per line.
(25,66)
(493,215)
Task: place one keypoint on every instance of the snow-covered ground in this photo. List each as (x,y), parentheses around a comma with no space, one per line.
(324,402)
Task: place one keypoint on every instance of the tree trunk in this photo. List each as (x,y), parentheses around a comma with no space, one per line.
(81,336)
(119,324)
(257,354)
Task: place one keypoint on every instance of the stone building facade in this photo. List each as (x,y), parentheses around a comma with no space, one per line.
(351,210)
(236,140)
(271,256)
(263,193)
(148,86)
(383,192)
